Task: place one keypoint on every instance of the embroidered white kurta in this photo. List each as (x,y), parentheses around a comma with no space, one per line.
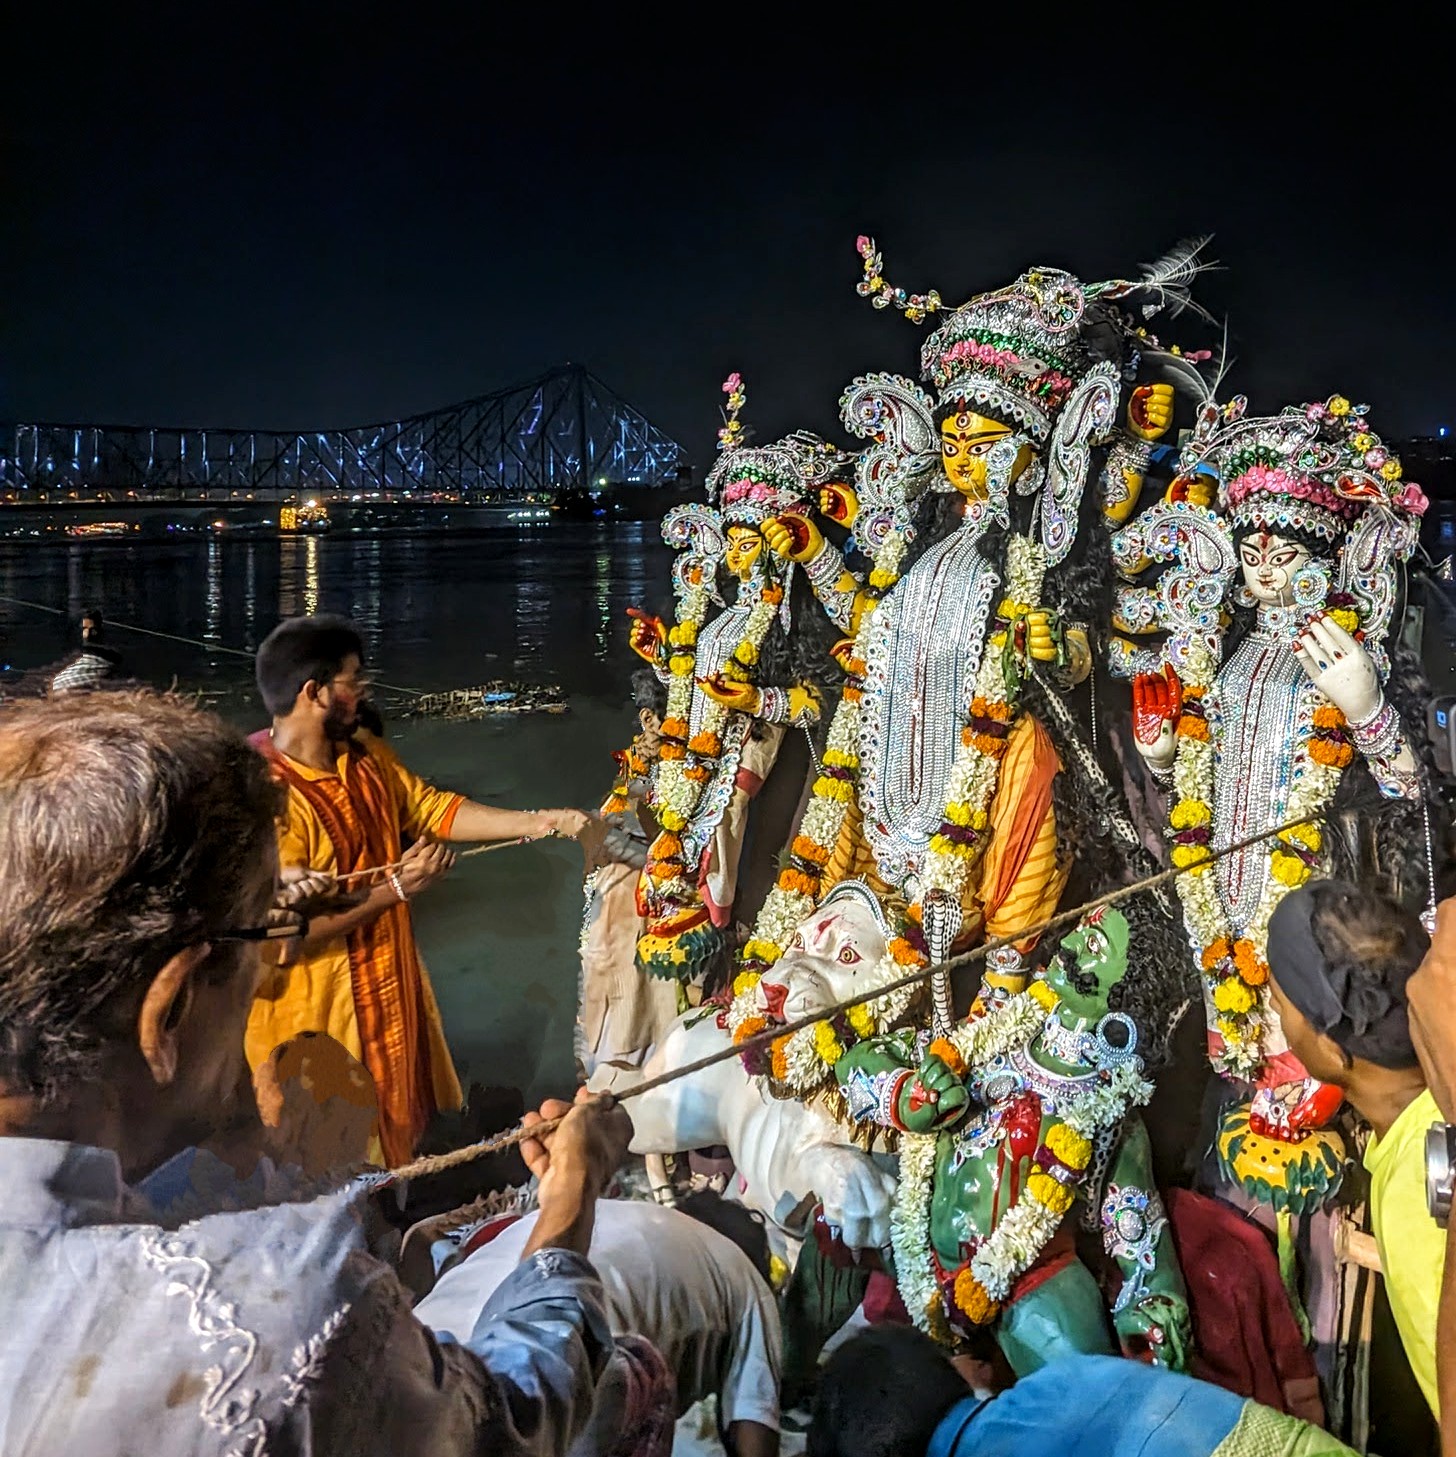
(269,1329)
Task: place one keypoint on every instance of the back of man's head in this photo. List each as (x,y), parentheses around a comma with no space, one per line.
(303,650)
(733,1221)
(1342,954)
(882,1394)
(135,826)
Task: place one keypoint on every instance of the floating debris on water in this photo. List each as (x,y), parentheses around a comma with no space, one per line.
(489,698)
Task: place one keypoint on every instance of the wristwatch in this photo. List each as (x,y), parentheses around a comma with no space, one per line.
(1440,1170)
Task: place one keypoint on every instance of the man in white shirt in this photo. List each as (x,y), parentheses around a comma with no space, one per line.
(693,1292)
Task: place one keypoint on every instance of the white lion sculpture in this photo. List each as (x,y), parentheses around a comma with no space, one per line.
(789,1156)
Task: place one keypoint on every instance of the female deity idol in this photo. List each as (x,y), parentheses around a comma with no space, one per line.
(1272,710)
(735,681)
(936,789)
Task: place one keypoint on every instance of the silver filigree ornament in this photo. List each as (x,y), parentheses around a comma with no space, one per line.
(1187,602)
(903,458)
(1087,419)
(697,534)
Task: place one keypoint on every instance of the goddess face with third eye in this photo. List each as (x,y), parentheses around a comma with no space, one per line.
(966,441)
(1269,565)
(745,547)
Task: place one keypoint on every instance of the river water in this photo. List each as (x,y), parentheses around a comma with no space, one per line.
(544,604)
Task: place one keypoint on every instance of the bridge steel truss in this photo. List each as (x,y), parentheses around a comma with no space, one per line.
(563,431)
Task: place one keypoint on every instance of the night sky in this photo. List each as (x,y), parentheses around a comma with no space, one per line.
(288,223)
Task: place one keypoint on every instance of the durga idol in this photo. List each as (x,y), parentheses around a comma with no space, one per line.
(937,790)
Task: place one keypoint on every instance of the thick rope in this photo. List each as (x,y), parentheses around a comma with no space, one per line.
(438,1163)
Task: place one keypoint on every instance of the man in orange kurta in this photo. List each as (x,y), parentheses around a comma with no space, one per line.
(353,806)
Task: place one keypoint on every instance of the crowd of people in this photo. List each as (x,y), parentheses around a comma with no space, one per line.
(153,947)
(917,1159)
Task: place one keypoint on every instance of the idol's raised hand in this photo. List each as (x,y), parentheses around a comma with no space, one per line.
(731,693)
(793,537)
(839,503)
(647,635)
(1157,704)
(1339,667)
(1150,411)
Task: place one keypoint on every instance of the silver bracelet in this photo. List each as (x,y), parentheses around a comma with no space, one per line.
(1379,736)
(773,705)
(396,884)
(825,570)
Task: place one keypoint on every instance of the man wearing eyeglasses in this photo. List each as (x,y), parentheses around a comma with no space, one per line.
(137,868)
(354,807)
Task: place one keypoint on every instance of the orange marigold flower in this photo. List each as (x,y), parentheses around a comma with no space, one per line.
(706,745)
(973,1301)
(904,952)
(1248,963)
(985,708)
(992,748)
(947,1053)
(674,727)
(1335,754)
(748,1028)
(811,850)
(1190,726)
(779,1057)
(791,879)
(672,751)
(1254,972)
(697,773)
(772,593)
(1215,952)
(1327,716)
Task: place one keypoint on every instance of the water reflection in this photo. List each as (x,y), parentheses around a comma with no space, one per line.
(437,612)
(310,576)
(213,630)
(250,598)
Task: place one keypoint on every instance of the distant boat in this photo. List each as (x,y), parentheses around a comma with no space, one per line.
(100,528)
(306,516)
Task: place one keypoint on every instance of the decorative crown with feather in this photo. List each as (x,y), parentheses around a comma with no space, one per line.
(751,483)
(1022,350)
(1313,468)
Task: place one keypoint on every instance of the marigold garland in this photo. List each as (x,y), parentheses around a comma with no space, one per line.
(686,765)
(1235,969)
(800,881)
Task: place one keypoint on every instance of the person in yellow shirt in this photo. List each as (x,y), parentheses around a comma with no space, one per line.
(1340,956)
(352,806)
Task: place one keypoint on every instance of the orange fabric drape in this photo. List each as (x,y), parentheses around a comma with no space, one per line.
(360,818)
